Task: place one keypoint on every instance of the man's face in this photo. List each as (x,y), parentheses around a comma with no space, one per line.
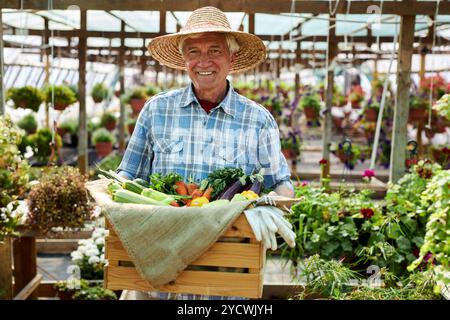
(208,60)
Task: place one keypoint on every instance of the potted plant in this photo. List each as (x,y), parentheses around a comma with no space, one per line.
(442,106)
(131,123)
(371,110)
(40,142)
(290,145)
(108,120)
(339,100)
(417,109)
(69,126)
(14,176)
(60,199)
(441,154)
(136,98)
(103,141)
(67,288)
(99,92)
(151,90)
(62,95)
(90,255)
(356,97)
(94,292)
(439,86)
(26,97)
(28,123)
(348,155)
(310,104)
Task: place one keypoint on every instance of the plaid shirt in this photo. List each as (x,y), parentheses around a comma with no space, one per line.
(174,134)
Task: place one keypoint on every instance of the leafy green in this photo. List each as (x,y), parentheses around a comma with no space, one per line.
(165,183)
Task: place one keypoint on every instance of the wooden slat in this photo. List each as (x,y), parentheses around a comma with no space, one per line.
(6,273)
(56,245)
(239,255)
(47,289)
(29,289)
(196,282)
(25,268)
(240,228)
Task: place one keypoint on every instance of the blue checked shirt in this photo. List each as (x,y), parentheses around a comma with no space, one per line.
(174,134)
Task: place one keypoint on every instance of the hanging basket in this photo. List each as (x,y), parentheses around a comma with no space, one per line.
(355,104)
(417,115)
(289,154)
(111,125)
(371,114)
(137,105)
(60,106)
(311,113)
(103,148)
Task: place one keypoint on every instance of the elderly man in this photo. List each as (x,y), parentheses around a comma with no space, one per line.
(207,125)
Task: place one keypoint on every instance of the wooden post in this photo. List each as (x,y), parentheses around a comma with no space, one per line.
(47,70)
(331,54)
(122,90)
(399,135)
(82,131)
(251,23)
(297,72)
(2,89)
(25,268)
(375,67)
(421,124)
(6,275)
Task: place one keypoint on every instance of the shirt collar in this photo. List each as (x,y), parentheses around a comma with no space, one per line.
(189,97)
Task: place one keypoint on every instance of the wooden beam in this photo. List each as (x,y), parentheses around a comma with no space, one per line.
(251,23)
(251,6)
(25,268)
(122,90)
(399,135)
(30,289)
(6,273)
(2,90)
(82,131)
(162,21)
(327,122)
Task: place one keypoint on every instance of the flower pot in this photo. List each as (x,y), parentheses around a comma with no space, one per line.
(371,114)
(60,106)
(130,128)
(97,99)
(337,121)
(356,104)
(137,105)
(289,154)
(417,114)
(22,104)
(311,113)
(111,125)
(103,148)
(66,295)
(117,93)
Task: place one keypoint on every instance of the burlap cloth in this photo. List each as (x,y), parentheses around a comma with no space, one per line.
(163,241)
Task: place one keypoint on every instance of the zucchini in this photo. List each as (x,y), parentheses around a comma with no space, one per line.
(133,186)
(155,195)
(125,196)
(113,186)
(142,182)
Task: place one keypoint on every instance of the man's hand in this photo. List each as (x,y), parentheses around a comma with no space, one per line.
(266,221)
(284,191)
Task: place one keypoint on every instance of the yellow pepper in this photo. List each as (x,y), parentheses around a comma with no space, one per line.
(250,195)
(198,202)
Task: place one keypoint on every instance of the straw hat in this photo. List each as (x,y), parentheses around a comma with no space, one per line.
(165,49)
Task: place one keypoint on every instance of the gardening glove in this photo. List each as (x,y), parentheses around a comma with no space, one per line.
(265,222)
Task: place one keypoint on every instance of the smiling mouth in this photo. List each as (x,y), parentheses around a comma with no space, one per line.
(205,73)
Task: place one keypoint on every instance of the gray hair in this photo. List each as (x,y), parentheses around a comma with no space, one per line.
(231,41)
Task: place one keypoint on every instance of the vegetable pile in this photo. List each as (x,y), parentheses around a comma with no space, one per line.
(221,187)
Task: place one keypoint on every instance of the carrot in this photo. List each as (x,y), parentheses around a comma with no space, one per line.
(191,187)
(208,193)
(196,193)
(174,203)
(180,188)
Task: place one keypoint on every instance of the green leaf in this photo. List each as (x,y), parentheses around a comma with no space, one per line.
(403,243)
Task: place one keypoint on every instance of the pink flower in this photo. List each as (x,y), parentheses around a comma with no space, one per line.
(304,183)
(368,173)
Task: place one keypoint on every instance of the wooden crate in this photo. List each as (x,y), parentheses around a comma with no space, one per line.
(121,275)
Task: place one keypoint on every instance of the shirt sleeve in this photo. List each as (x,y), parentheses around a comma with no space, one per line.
(275,168)
(137,159)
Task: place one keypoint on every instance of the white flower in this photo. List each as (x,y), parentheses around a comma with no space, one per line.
(29,152)
(100,241)
(91,252)
(76,255)
(96,212)
(94,260)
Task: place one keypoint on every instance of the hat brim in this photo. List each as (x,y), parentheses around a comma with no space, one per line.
(252,50)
